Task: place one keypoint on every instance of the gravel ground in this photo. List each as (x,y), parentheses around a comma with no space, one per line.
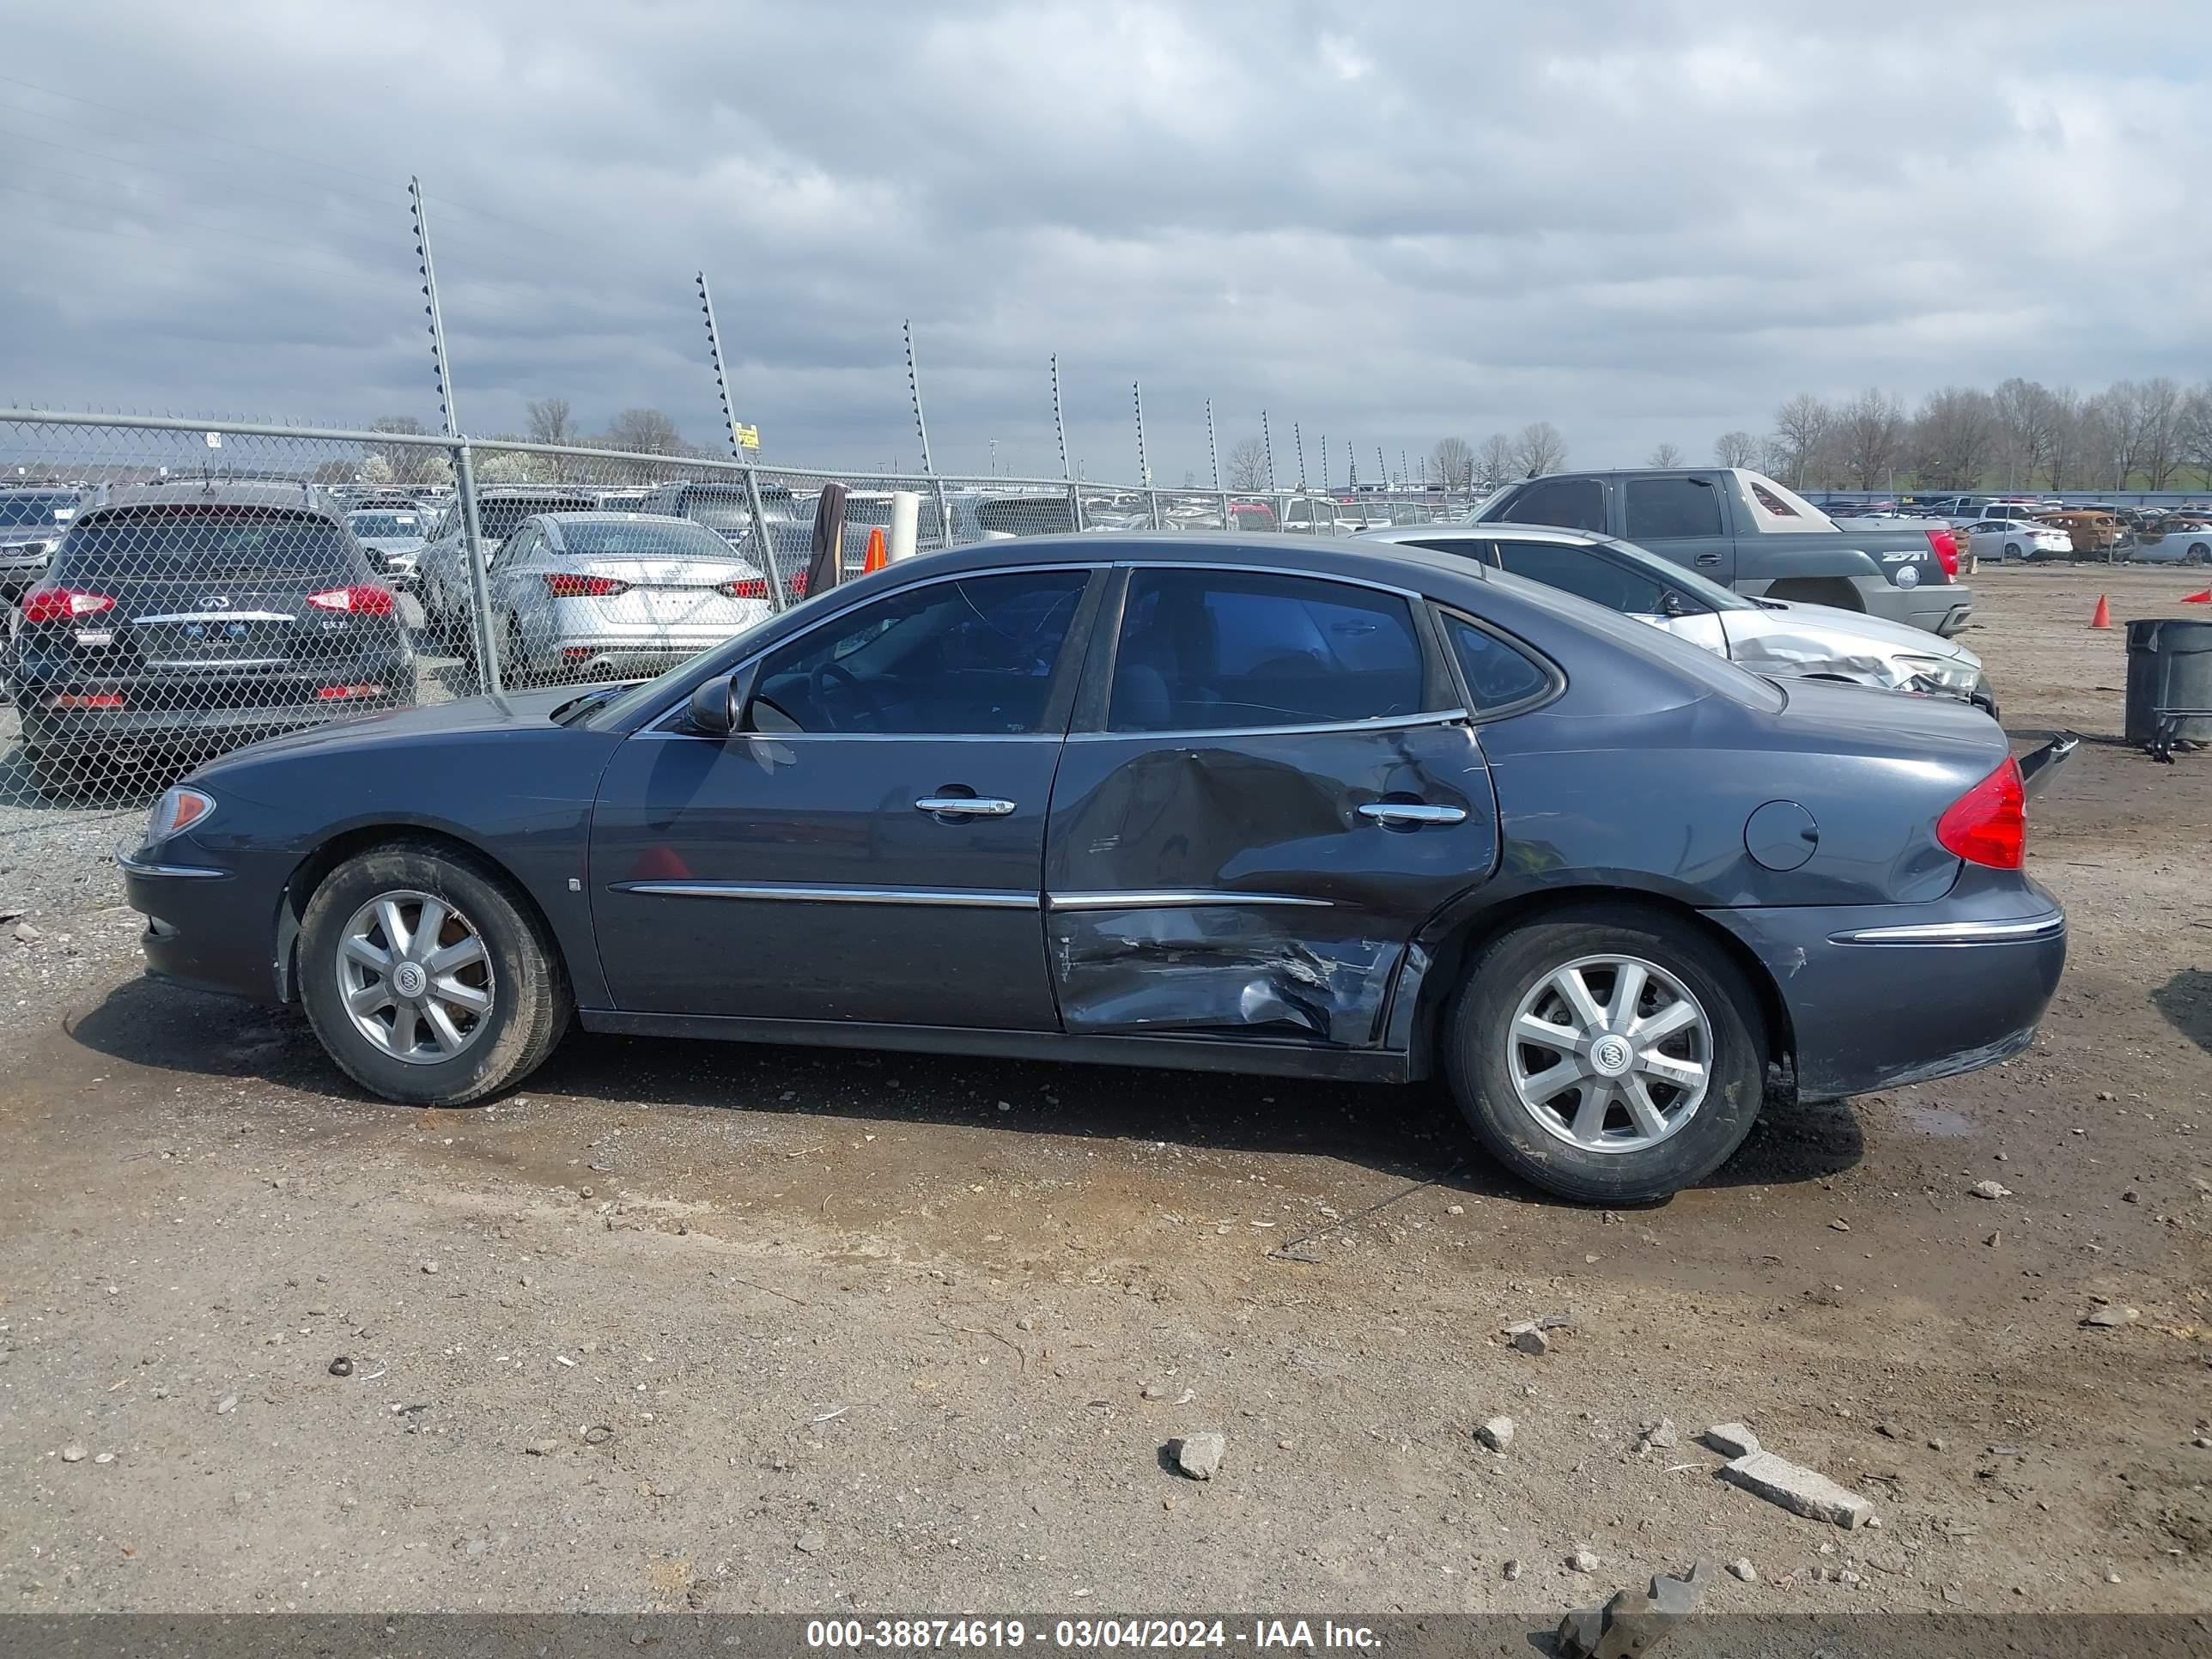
(734,1328)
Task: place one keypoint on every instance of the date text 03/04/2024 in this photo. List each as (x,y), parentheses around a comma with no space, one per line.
(1081,1634)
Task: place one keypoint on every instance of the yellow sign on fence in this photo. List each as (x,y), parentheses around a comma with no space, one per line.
(749,437)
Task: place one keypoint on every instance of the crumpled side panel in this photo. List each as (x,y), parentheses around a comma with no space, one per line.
(1217,968)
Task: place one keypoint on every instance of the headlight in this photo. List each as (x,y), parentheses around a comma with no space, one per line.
(176,811)
(1953,673)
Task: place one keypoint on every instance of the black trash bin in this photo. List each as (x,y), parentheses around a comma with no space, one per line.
(2169,666)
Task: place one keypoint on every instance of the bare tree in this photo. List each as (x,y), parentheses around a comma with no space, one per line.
(1737,448)
(2066,444)
(1248,464)
(2102,437)
(548,420)
(1540,448)
(1665,454)
(1954,438)
(2196,430)
(1872,426)
(2158,429)
(1775,459)
(1454,462)
(2028,422)
(1493,462)
(645,430)
(1800,427)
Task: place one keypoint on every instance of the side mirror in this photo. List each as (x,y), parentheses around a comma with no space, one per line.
(1670,604)
(718,708)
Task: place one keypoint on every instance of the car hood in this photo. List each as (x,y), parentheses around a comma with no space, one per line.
(1856,628)
(515,712)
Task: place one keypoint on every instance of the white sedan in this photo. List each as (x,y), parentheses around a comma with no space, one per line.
(2011,540)
(1777,637)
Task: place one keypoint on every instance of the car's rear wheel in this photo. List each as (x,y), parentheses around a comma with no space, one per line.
(428,977)
(2199,552)
(1607,1054)
(2012,551)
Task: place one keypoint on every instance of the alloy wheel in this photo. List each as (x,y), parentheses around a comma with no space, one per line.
(1610,1053)
(414,976)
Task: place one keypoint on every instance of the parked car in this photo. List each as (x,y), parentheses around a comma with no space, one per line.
(1767,636)
(2009,541)
(1235,803)
(2090,533)
(2180,538)
(617,595)
(1256,516)
(32,525)
(1318,515)
(174,624)
(442,570)
(393,538)
(1748,533)
(726,509)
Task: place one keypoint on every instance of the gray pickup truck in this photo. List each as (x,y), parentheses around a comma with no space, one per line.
(1743,530)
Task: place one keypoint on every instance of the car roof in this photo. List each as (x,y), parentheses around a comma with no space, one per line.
(618,516)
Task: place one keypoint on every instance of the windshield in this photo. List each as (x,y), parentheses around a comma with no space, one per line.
(36,509)
(384,527)
(643,537)
(215,543)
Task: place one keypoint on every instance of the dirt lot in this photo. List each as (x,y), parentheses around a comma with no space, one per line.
(742,1328)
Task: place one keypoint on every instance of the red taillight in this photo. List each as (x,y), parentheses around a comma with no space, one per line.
(1988,824)
(61,604)
(744,587)
(1945,546)
(346,693)
(87,699)
(363,599)
(799,584)
(565,585)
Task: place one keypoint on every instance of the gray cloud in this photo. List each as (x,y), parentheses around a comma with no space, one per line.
(1385,222)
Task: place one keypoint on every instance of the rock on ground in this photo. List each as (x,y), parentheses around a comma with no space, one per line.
(1198,1455)
(1800,1490)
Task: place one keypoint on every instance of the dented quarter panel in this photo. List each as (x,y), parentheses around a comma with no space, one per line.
(1209,837)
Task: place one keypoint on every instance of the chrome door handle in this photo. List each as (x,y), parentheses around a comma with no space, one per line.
(964,806)
(1709,558)
(1409,813)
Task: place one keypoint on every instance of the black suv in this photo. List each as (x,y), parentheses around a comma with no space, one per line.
(176,622)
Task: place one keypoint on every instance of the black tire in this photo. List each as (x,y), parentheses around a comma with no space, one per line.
(57,774)
(2198,553)
(1477,1053)
(530,998)
(2012,550)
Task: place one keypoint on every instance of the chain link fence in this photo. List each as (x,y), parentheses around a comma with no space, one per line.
(175,590)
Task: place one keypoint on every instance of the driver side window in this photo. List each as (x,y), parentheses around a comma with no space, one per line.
(972,658)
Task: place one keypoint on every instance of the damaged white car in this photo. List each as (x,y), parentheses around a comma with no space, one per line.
(1768,637)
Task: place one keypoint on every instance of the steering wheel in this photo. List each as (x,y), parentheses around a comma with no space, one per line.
(818,687)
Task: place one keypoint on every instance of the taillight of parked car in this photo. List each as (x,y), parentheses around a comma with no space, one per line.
(361,599)
(1945,546)
(566,584)
(1988,824)
(48,606)
(746,588)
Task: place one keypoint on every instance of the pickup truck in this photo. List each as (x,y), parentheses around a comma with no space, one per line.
(1743,530)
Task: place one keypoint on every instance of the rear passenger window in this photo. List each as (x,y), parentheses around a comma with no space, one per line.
(1571,503)
(1663,509)
(1498,675)
(1208,651)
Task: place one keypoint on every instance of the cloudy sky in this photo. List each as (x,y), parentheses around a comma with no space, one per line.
(1385,223)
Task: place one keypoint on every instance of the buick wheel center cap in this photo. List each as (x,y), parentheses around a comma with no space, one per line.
(408,979)
(1610,1057)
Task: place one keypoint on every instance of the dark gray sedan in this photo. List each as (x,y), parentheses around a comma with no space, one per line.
(1256,805)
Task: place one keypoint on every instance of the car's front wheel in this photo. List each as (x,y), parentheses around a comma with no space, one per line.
(428,977)
(1607,1054)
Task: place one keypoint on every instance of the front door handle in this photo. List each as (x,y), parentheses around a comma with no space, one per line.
(1709,558)
(1409,814)
(964,806)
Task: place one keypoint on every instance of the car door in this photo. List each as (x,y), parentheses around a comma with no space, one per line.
(871,850)
(1682,516)
(1272,784)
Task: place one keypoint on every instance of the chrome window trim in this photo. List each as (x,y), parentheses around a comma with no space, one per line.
(1377,723)
(218,617)
(652,724)
(1957,932)
(660,736)
(1166,899)
(964,898)
(132,866)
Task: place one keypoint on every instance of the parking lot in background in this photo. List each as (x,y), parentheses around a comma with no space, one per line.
(694,1326)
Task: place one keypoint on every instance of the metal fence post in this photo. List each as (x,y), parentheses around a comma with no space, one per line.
(487,636)
(1152,507)
(1075,506)
(1228,519)
(776,595)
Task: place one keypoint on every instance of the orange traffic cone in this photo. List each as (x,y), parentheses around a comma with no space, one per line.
(879,555)
(2102,616)
(2205,597)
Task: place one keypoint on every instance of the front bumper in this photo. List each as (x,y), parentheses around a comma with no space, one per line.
(1880,996)
(195,934)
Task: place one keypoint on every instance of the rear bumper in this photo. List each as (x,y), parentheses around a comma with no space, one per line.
(1880,996)
(1943,611)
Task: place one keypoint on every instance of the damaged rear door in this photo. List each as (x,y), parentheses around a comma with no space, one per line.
(1272,784)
